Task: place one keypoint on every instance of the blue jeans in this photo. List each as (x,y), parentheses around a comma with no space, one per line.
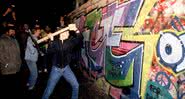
(33,73)
(55,75)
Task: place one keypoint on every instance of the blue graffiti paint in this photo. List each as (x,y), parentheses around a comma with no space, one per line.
(124,62)
(168,49)
(173,23)
(133,12)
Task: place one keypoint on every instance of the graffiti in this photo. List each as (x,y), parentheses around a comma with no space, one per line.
(162,14)
(181,92)
(125,63)
(116,70)
(134,9)
(112,15)
(167,81)
(90,62)
(93,43)
(174,85)
(107,18)
(181,86)
(80,22)
(163,79)
(170,50)
(91,18)
(115,92)
(123,1)
(178,23)
(156,91)
(119,15)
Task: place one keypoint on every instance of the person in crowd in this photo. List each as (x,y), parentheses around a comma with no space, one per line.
(10,63)
(22,38)
(31,57)
(62,24)
(9,14)
(2,27)
(44,62)
(61,50)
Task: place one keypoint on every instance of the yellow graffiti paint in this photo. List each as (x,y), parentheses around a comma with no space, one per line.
(150,42)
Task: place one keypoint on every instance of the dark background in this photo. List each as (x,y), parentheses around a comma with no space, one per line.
(46,11)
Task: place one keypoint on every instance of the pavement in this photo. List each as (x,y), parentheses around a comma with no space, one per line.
(87,87)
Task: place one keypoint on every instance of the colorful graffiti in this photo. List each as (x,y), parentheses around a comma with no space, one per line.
(156,91)
(119,15)
(124,65)
(170,50)
(135,48)
(162,14)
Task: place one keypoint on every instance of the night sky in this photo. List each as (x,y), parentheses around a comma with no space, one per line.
(46,11)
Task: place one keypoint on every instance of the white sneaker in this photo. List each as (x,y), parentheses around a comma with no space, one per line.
(27,84)
(40,71)
(30,88)
(45,70)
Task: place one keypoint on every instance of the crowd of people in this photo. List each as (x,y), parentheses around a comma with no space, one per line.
(18,48)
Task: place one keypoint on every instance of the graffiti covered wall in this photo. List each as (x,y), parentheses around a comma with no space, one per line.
(134,48)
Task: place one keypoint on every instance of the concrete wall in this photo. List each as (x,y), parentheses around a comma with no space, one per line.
(134,48)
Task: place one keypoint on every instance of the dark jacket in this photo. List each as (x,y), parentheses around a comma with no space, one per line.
(10,60)
(62,52)
(76,52)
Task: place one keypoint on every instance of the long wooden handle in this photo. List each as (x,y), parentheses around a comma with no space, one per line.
(71,27)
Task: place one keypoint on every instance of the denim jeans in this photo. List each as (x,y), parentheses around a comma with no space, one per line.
(33,73)
(54,77)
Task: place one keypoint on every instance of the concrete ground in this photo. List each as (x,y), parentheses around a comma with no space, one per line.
(87,88)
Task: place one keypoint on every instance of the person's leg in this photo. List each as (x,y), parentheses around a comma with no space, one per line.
(5,84)
(70,77)
(53,79)
(18,89)
(8,87)
(33,74)
(40,64)
(45,63)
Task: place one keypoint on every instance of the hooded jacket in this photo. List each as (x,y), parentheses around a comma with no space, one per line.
(31,52)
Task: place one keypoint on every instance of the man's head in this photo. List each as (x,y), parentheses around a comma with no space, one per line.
(10,30)
(25,26)
(61,21)
(37,32)
(47,29)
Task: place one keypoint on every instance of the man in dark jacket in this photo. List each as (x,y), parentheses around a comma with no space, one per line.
(61,50)
(10,62)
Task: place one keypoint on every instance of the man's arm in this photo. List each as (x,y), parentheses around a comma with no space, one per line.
(76,40)
(51,47)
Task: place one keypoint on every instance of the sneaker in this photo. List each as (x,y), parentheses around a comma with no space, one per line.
(27,84)
(40,71)
(30,88)
(45,70)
